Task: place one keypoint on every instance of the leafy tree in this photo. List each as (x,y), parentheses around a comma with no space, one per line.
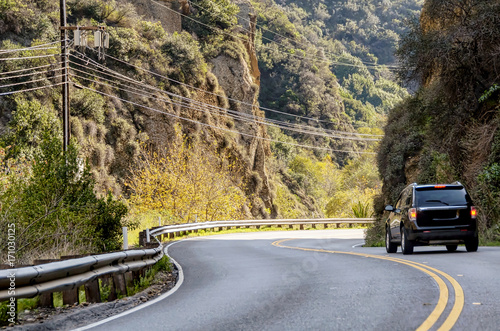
(54,206)
(186,183)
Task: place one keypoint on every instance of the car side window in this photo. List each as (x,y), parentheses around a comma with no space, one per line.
(399,204)
(409,200)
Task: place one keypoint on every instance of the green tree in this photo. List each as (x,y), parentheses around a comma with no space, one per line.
(55,209)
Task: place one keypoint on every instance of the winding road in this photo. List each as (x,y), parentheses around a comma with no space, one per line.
(320,280)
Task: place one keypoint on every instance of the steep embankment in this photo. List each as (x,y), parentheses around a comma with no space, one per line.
(448,130)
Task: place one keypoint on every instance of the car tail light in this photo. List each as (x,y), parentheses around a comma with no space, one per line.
(412,214)
(473,213)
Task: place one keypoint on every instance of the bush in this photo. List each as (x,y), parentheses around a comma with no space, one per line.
(55,208)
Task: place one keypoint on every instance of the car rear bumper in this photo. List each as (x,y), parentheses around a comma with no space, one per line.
(442,236)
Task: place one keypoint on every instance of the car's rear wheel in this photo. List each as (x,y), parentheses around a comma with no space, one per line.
(472,244)
(390,247)
(451,248)
(406,244)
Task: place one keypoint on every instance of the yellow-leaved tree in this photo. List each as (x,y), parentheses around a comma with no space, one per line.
(187,184)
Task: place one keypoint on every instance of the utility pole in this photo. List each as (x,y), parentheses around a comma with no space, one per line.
(65,77)
(101,40)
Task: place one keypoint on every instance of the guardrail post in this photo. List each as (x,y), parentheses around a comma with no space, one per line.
(109,283)
(302,226)
(70,297)
(47,300)
(120,285)
(125,238)
(147,236)
(314,226)
(325,226)
(92,293)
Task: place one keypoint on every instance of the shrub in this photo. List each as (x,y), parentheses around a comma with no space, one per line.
(55,208)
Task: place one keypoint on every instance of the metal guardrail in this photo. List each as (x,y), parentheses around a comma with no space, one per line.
(178,228)
(68,274)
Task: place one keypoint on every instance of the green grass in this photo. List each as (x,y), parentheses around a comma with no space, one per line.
(147,280)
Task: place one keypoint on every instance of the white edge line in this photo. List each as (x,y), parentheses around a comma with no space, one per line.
(146,304)
(358,245)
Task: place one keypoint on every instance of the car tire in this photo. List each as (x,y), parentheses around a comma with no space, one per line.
(390,247)
(451,248)
(406,244)
(472,244)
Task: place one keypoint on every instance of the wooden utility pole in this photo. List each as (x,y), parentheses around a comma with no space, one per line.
(65,77)
(102,42)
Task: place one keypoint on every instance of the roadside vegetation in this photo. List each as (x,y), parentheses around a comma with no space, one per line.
(449,129)
(129,166)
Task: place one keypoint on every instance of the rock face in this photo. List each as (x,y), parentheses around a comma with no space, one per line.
(240,79)
(170,19)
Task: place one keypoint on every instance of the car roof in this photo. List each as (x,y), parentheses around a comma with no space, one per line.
(431,186)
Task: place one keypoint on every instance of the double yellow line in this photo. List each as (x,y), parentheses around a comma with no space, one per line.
(434,273)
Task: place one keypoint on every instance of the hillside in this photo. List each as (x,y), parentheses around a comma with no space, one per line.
(448,130)
(198,110)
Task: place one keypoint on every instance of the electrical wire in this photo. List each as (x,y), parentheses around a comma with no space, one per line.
(37,47)
(27,57)
(221,128)
(223,111)
(34,68)
(238,117)
(29,82)
(30,89)
(31,73)
(238,101)
(287,53)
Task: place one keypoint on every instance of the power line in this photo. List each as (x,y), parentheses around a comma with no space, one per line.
(238,101)
(28,57)
(37,47)
(27,69)
(29,82)
(237,115)
(287,53)
(31,74)
(220,128)
(30,89)
(375,65)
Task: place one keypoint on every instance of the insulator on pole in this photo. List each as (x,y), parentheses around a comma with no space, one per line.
(97,38)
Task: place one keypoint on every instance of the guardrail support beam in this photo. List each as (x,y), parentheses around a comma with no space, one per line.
(70,297)
(47,300)
(120,286)
(92,293)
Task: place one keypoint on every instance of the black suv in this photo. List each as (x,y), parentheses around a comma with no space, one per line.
(431,215)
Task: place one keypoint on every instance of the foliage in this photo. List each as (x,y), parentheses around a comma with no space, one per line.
(187,183)
(356,186)
(451,53)
(55,208)
(214,16)
(301,75)
(88,104)
(183,51)
(30,122)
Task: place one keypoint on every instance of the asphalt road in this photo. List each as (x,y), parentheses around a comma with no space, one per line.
(321,280)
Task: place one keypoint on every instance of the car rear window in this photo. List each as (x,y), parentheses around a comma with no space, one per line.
(433,197)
